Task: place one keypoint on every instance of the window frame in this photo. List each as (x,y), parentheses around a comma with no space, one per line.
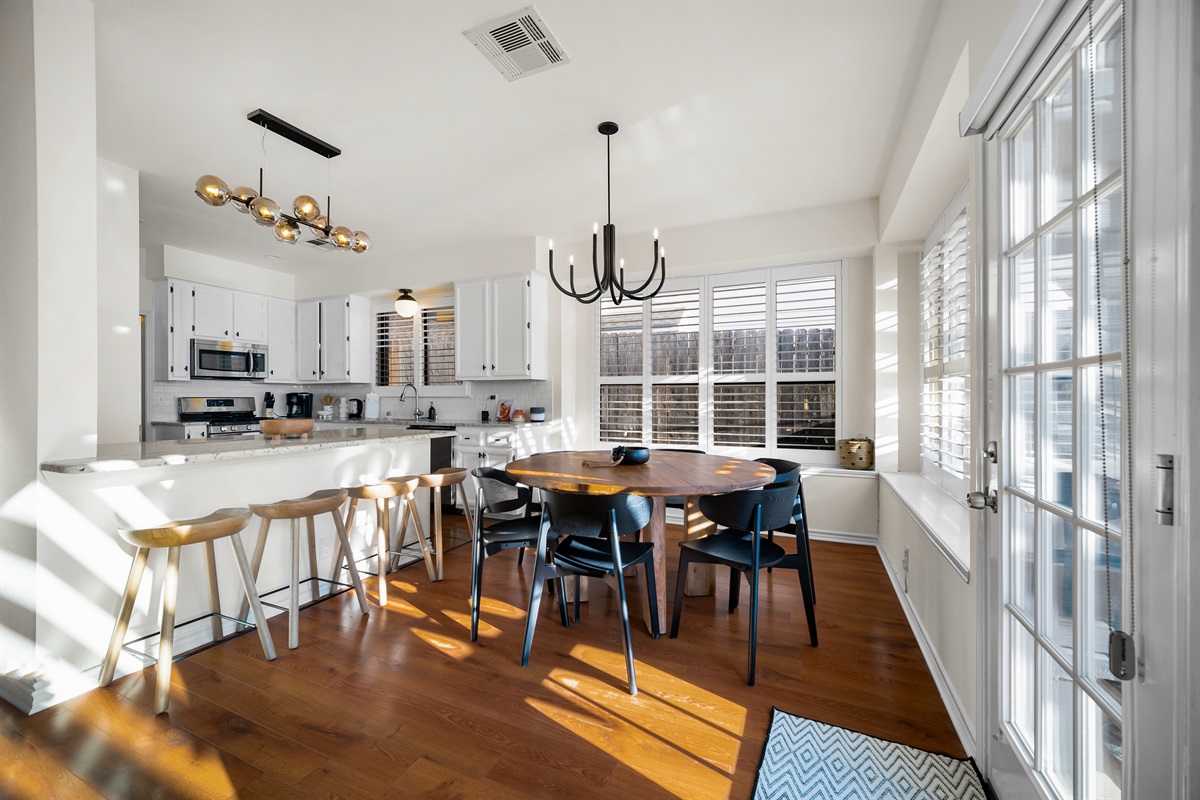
(445,300)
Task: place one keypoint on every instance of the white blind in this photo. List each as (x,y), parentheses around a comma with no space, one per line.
(739,322)
(394,362)
(620,338)
(675,413)
(675,332)
(739,415)
(621,412)
(806,324)
(437,346)
(805,415)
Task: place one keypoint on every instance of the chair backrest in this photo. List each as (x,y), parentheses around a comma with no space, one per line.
(786,471)
(737,509)
(591,514)
(500,492)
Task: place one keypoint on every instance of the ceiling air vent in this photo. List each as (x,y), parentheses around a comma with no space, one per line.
(518,44)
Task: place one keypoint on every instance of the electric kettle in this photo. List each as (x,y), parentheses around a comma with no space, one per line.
(356,408)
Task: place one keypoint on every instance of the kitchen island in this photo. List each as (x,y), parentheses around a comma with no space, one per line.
(143,484)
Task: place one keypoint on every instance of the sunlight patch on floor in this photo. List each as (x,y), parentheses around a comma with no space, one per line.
(454,648)
(485,629)
(402,606)
(490,605)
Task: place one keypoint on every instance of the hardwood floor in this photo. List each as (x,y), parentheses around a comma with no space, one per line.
(401,705)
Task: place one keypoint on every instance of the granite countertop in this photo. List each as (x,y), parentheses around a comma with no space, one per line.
(136,455)
(462,423)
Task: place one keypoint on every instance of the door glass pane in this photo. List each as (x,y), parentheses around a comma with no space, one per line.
(1058,293)
(1056,445)
(1024,291)
(1058,729)
(1020,552)
(1058,560)
(1103,752)
(1023,427)
(1020,681)
(1021,184)
(1108,107)
(1099,495)
(805,415)
(1058,151)
(1111,289)
(1095,604)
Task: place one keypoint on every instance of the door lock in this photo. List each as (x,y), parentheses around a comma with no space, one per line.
(990,452)
(981,500)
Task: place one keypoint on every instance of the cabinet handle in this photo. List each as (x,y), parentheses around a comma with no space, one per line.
(483,367)
(272,372)
(226,333)
(237,333)
(493,367)
(314,372)
(185,369)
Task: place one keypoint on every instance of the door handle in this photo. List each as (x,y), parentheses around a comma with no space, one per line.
(978,501)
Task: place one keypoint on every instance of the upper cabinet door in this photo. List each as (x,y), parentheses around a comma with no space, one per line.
(308,333)
(510,327)
(335,340)
(281,341)
(249,317)
(213,311)
(180,323)
(471,330)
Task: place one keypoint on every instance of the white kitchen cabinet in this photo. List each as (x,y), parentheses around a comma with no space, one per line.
(500,328)
(334,340)
(495,447)
(250,317)
(213,309)
(173,320)
(281,340)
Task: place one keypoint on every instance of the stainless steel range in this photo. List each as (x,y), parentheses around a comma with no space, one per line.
(210,418)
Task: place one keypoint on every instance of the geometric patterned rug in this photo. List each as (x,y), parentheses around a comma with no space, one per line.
(808,759)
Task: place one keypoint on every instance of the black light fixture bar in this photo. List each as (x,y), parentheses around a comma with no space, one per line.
(289,131)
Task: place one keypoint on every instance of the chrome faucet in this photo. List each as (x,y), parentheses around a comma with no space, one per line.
(416,399)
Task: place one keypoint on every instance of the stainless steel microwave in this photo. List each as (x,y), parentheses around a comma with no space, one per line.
(231,361)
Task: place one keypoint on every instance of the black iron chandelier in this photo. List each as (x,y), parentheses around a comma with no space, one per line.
(305,210)
(611,278)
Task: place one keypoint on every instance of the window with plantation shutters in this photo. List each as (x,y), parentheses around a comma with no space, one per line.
(437,346)
(741,363)
(417,350)
(394,356)
(945,310)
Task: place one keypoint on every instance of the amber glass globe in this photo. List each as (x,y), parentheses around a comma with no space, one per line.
(362,242)
(322,222)
(245,194)
(212,190)
(287,231)
(342,237)
(265,211)
(306,208)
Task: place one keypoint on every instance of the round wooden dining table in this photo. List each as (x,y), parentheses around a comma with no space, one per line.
(668,473)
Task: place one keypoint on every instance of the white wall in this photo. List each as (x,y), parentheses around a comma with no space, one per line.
(175,262)
(118,335)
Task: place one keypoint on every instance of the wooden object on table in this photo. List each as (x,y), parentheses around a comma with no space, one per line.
(324,501)
(446,476)
(226,523)
(279,428)
(667,474)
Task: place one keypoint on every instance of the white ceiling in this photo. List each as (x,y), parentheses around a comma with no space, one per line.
(727,110)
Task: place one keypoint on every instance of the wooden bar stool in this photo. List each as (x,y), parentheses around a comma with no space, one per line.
(226,523)
(402,489)
(324,501)
(446,476)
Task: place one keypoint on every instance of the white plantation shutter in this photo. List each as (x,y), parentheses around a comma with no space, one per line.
(805,322)
(739,323)
(437,346)
(394,359)
(417,350)
(620,338)
(945,312)
(621,412)
(675,367)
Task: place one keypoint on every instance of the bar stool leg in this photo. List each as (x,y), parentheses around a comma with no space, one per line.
(127,600)
(256,564)
(294,601)
(411,506)
(339,547)
(344,546)
(260,619)
(437,527)
(162,690)
(214,591)
(381,547)
(312,556)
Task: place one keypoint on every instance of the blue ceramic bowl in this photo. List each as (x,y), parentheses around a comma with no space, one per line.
(631,456)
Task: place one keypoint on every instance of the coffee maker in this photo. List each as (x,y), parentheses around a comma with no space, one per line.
(299,404)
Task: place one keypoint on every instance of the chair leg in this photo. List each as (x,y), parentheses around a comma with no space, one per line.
(259,546)
(166,639)
(214,591)
(652,591)
(126,611)
(344,547)
(381,548)
(313,572)
(680,585)
(625,630)
(753,626)
(771,539)
(294,595)
(562,602)
(535,600)
(804,572)
(808,556)
(577,583)
(735,590)
(476,586)
(260,619)
(521,556)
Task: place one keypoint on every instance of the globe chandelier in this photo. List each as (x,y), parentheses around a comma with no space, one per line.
(305,209)
(610,277)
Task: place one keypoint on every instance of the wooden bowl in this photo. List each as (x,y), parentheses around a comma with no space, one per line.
(286,427)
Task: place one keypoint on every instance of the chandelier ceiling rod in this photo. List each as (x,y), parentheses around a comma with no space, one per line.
(612,278)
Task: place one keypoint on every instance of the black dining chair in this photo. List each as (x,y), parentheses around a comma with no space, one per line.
(746,516)
(590,529)
(801,561)
(497,493)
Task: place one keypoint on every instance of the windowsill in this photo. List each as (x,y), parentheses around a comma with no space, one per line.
(945,522)
(841,472)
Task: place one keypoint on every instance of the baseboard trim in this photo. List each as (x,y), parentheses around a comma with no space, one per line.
(845,537)
(958,716)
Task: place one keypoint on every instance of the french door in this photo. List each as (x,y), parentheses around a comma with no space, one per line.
(1056,373)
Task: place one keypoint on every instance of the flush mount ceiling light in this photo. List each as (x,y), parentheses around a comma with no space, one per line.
(305,210)
(611,278)
(406,304)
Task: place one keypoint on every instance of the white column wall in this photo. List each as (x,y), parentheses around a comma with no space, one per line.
(119,336)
